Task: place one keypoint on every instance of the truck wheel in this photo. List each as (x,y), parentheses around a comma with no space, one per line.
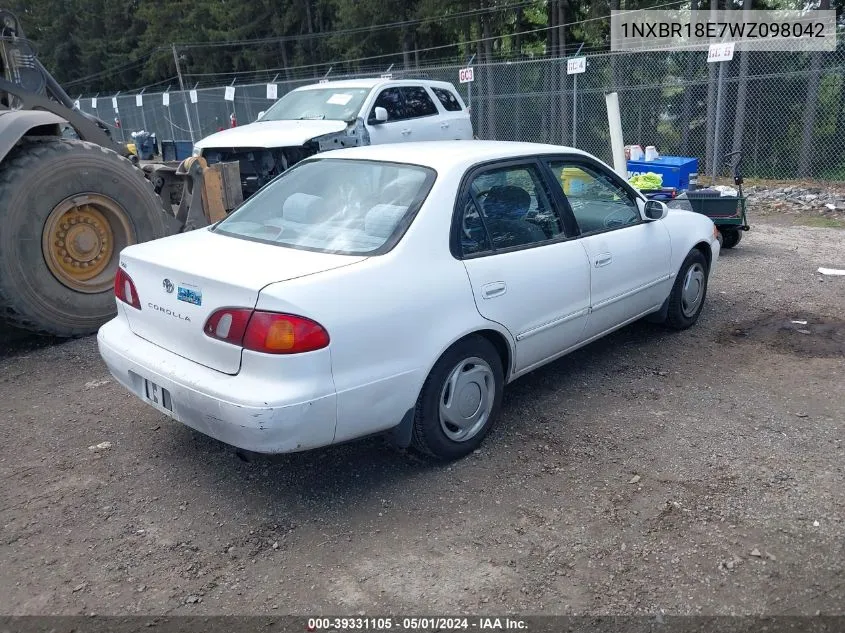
(67,209)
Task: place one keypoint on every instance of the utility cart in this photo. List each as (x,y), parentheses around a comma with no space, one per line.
(727,212)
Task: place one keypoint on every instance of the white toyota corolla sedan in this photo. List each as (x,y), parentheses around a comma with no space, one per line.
(396,288)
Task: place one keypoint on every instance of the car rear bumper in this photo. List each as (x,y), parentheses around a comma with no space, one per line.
(239,410)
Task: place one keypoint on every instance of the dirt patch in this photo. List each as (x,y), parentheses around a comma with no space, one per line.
(14,341)
(652,472)
(804,336)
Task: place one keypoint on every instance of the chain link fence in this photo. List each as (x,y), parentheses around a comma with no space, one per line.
(784,111)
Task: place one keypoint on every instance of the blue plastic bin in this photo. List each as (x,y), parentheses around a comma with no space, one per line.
(679,172)
(176,150)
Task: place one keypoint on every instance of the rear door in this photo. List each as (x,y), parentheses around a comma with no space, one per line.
(525,273)
(455,123)
(630,257)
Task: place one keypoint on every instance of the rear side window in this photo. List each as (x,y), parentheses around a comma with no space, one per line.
(417,102)
(507,207)
(448,99)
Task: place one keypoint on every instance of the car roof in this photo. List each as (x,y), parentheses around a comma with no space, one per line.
(444,155)
(373,82)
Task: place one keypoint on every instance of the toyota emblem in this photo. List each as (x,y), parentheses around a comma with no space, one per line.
(168,285)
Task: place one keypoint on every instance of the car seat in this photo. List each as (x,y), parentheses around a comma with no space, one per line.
(505,208)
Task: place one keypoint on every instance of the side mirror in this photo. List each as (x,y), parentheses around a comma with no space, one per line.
(381,114)
(260,114)
(655,210)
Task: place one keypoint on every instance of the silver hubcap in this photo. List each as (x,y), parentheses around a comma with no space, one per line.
(693,290)
(466,399)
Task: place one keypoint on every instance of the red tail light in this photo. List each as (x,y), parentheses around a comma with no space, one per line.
(124,289)
(268,332)
(228,324)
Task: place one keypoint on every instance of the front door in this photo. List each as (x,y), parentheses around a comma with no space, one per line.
(411,116)
(630,257)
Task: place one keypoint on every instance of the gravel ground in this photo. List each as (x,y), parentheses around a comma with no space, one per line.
(695,473)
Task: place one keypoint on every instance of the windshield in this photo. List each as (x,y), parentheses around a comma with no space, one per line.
(349,207)
(334,104)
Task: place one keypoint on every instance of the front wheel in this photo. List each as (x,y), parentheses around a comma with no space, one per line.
(460,400)
(689,292)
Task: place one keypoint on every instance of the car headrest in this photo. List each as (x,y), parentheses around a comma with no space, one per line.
(302,208)
(403,188)
(382,219)
(507,202)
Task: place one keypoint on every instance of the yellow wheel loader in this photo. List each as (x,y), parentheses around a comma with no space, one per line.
(71,198)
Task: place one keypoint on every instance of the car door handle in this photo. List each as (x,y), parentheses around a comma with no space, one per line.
(495,289)
(406,131)
(603,260)
(444,125)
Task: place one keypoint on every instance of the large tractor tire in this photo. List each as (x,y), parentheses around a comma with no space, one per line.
(67,209)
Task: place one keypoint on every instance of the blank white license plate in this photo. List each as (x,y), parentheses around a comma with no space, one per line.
(158,396)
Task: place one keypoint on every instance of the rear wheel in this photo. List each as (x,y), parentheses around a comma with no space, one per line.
(67,209)
(460,400)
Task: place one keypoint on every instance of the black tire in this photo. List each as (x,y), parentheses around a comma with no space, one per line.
(38,177)
(731,237)
(682,314)
(429,436)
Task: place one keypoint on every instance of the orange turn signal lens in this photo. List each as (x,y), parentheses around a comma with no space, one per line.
(280,337)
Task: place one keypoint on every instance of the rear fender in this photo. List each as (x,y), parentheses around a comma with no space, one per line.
(16,124)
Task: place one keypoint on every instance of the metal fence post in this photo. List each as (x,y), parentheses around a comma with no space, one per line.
(182,87)
(575,102)
(143,113)
(197,111)
(717,128)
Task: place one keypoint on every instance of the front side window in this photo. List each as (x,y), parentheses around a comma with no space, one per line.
(334,104)
(597,201)
(350,207)
(507,207)
(391,100)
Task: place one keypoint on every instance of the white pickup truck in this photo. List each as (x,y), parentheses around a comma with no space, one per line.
(337,114)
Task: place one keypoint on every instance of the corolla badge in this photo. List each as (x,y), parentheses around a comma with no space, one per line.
(167,285)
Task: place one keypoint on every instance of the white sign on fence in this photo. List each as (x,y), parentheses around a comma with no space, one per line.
(721,52)
(114,103)
(194,96)
(466,75)
(229,95)
(76,104)
(272,91)
(387,76)
(165,99)
(576,65)
(139,100)
(324,81)
(94,103)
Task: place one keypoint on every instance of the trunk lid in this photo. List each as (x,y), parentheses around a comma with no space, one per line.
(181,280)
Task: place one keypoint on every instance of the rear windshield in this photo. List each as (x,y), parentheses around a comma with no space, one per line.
(350,207)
